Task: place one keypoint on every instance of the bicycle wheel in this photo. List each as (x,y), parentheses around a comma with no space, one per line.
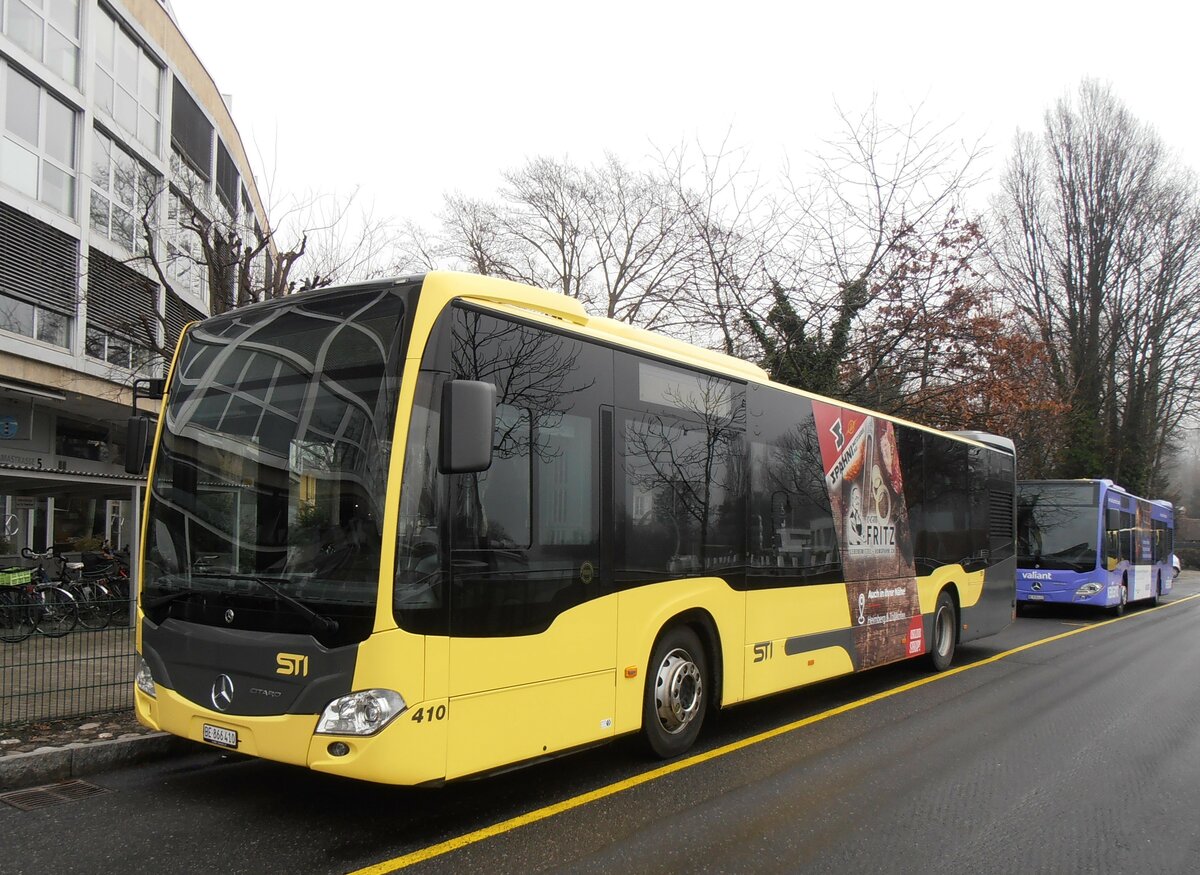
(58,611)
(118,603)
(92,599)
(16,615)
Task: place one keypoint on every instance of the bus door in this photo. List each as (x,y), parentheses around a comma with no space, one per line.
(532,629)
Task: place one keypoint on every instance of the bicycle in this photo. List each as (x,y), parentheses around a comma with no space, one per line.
(17,620)
(55,609)
(91,589)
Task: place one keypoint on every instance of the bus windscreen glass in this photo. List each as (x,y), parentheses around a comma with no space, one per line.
(267,500)
(1057,525)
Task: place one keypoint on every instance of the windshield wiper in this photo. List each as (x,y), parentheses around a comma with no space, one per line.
(323,623)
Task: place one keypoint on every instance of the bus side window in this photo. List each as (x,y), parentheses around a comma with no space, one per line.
(524,534)
(947,502)
(680,468)
(793,539)
(910,443)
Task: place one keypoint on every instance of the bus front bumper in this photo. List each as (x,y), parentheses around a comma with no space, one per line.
(403,752)
(1088,593)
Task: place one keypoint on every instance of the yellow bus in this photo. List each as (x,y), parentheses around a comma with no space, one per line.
(421,529)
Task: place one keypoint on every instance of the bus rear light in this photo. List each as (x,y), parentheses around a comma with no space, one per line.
(362,713)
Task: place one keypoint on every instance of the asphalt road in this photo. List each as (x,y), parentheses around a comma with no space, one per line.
(1080,753)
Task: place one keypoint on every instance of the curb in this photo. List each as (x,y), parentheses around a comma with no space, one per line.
(45,766)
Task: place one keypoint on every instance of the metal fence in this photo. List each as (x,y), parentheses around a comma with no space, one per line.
(84,672)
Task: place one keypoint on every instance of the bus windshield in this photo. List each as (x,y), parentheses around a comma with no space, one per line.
(266,504)
(1057,525)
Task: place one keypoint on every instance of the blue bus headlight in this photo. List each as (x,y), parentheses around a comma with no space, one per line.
(362,713)
(1089,589)
(144,680)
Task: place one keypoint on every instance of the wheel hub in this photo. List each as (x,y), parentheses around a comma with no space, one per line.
(678,691)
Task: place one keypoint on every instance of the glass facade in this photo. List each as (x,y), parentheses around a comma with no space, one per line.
(38,147)
(128,82)
(124,191)
(48,31)
(58,309)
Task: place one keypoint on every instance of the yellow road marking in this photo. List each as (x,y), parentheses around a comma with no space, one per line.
(549,811)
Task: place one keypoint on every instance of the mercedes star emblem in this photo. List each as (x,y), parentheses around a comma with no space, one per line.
(1037,586)
(229,615)
(222,692)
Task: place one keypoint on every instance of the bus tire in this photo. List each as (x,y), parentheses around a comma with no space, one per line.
(677,693)
(1157,591)
(1119,608)
(945,632)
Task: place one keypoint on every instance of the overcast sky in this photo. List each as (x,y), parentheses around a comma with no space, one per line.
(406,100)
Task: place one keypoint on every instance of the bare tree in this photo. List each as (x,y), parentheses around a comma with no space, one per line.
(1099,248)
(733,227)
(634,224)
(608,235)
(206,250)
(881,250)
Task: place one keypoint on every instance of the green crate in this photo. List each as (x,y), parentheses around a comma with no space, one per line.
(15,576)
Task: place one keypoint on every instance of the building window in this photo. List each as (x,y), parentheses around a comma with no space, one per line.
(123,191)
(48,30)
(128,82)
(81,440)
(185,253)
(191,131)
(30,320)
(116,350)
(227,181)
(37,149)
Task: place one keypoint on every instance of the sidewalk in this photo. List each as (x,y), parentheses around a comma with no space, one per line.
(48,751)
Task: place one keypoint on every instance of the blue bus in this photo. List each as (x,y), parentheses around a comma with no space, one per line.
(1089,542)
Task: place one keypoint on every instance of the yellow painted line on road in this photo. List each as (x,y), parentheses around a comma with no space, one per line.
(549,811)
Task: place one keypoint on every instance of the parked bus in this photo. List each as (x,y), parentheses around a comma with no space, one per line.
(1089,542)
(416,530)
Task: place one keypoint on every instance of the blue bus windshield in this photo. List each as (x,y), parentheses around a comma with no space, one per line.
(1057,525)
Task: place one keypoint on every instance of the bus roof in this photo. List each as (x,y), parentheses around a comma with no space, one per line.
(532,301)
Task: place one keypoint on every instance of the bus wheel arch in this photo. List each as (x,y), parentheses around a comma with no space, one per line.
(682,680)
(943,638)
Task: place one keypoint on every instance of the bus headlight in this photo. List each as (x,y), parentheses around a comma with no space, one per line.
(362,713)
(1089,589)
(144,680)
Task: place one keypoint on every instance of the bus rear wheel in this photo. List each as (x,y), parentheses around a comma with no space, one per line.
(676,698)
(945,633)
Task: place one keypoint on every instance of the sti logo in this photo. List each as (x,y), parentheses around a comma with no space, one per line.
(292,664)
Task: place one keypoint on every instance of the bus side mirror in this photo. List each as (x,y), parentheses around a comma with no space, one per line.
(468,426)
(137,434)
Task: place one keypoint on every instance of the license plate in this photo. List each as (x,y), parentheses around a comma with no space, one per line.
(220,736)
(1036,598)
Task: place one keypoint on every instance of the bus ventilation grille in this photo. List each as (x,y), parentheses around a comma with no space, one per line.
(1000,514)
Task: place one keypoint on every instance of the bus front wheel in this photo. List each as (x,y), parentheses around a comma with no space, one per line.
(677,694)
(945,632)
(1119,608)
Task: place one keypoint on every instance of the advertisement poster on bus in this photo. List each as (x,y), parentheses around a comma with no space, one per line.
(866,493)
